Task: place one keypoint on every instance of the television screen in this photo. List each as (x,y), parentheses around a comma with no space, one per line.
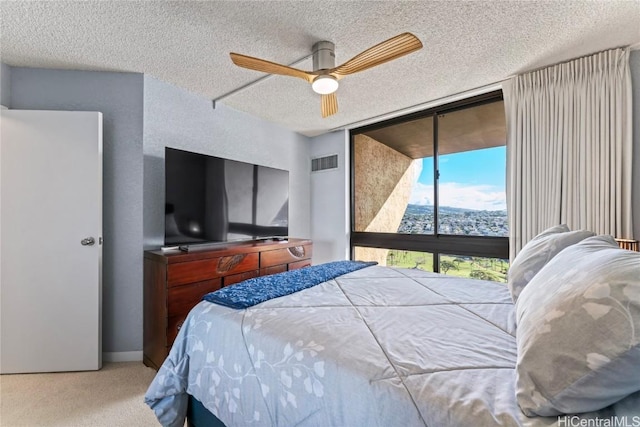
(211,199)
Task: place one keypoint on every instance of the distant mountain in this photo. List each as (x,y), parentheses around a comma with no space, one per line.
(423,209)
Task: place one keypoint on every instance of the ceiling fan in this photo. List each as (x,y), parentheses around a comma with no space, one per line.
(325,75)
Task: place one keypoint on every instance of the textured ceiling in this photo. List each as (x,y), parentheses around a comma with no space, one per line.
(466,45)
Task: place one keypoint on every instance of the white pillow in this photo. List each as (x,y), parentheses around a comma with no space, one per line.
(539,251)
(578,333)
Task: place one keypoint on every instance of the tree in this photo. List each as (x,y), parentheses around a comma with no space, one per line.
(446,265)
(391,258)
(482,275)
(504,266)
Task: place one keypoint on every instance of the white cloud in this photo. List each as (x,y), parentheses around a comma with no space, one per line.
(456,195)
(421,194)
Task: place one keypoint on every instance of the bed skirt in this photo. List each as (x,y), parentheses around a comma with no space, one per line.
(199,416)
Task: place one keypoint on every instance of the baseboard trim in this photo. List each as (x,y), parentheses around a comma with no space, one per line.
(122,356)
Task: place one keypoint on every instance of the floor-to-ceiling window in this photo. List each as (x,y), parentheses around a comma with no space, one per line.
(428,190)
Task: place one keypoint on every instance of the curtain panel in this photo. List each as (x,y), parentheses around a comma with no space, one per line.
(569,148)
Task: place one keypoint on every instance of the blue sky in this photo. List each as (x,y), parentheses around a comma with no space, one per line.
(486,166)
(473,179)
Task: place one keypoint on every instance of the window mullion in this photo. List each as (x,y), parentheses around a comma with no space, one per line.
(436,184)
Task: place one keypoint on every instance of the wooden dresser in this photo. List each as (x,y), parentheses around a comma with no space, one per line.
(175,281)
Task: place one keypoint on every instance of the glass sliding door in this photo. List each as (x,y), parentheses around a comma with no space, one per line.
(393,185)
(432,183)
(472,164)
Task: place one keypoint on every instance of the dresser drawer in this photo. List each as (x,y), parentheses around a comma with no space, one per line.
(196,271)
(239,263)
(237,278)
(299,264)
(284,255)
(181,299)
(189,272)
(273,270)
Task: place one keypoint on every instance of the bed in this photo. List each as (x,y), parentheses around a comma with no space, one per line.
(382,346)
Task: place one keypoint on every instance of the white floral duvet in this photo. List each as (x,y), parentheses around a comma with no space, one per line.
(376,347)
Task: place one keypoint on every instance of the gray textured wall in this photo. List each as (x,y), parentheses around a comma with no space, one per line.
(176,118)
(119,97)
(5,85)
(141,116)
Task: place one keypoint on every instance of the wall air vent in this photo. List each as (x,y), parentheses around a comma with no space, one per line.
(324,163)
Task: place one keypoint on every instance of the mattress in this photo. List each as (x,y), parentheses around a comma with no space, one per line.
(375,347)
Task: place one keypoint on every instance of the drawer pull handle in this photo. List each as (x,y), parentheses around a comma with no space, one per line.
(297,251)
(179,325)
(228,263)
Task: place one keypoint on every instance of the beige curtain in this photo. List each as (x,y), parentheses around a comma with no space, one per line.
(569,148)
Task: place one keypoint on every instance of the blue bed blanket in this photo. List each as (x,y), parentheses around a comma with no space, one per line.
(260,289)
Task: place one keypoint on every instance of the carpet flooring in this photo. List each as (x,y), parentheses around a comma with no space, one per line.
(112,396)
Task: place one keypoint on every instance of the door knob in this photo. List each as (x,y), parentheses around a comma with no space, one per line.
(88,241)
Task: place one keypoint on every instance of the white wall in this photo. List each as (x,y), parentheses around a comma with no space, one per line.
(330,222)
(176,118)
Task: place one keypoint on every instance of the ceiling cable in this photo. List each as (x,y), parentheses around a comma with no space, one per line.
(256,81)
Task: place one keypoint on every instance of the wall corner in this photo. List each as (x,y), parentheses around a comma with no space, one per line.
(5,85)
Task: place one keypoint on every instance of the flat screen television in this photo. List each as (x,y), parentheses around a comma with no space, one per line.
(210,199)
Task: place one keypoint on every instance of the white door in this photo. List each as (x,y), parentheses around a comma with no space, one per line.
(50,276)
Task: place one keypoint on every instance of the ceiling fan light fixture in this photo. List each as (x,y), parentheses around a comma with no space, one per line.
(325,75)
(325,84)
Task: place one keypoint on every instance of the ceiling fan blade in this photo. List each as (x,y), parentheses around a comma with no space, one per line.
(258,64)
(393,48)
(329,105)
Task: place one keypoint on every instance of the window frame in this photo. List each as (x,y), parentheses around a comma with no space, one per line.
(480,246)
